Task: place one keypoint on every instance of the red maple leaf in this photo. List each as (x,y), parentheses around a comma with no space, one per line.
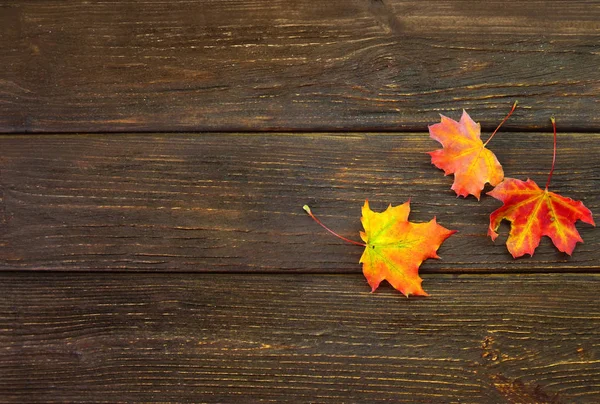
(534,213)
(465,155)
(395,247)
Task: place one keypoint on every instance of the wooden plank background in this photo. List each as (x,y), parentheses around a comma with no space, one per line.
(226,338)
(233,202)
(294,65)
(178,265)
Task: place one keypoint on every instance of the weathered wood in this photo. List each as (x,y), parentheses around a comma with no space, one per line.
(306,65)
(299,338)
(226,202)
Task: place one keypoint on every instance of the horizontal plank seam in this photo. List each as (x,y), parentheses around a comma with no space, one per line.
(411,129)
(589,271)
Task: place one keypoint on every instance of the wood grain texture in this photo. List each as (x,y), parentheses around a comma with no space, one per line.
(227,202)
(187,65)
(298,338)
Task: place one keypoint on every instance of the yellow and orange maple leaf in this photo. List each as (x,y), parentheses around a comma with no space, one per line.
(535,212)
(465,155)
(395,247)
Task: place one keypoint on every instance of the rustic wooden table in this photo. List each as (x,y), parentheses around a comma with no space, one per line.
(156,156)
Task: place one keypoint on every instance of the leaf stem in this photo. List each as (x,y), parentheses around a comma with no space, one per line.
(307,209)
(553,154)
(501,123)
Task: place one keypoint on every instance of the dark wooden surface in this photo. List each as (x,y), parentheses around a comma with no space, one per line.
(231,202)
(226,338)
(177,265)
(186,65)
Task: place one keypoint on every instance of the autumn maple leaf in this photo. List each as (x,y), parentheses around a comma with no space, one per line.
(535,212)
(395,247)
(465,155)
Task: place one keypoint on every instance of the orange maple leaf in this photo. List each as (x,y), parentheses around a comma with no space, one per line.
(534,213)
(395,247)
(465,155)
